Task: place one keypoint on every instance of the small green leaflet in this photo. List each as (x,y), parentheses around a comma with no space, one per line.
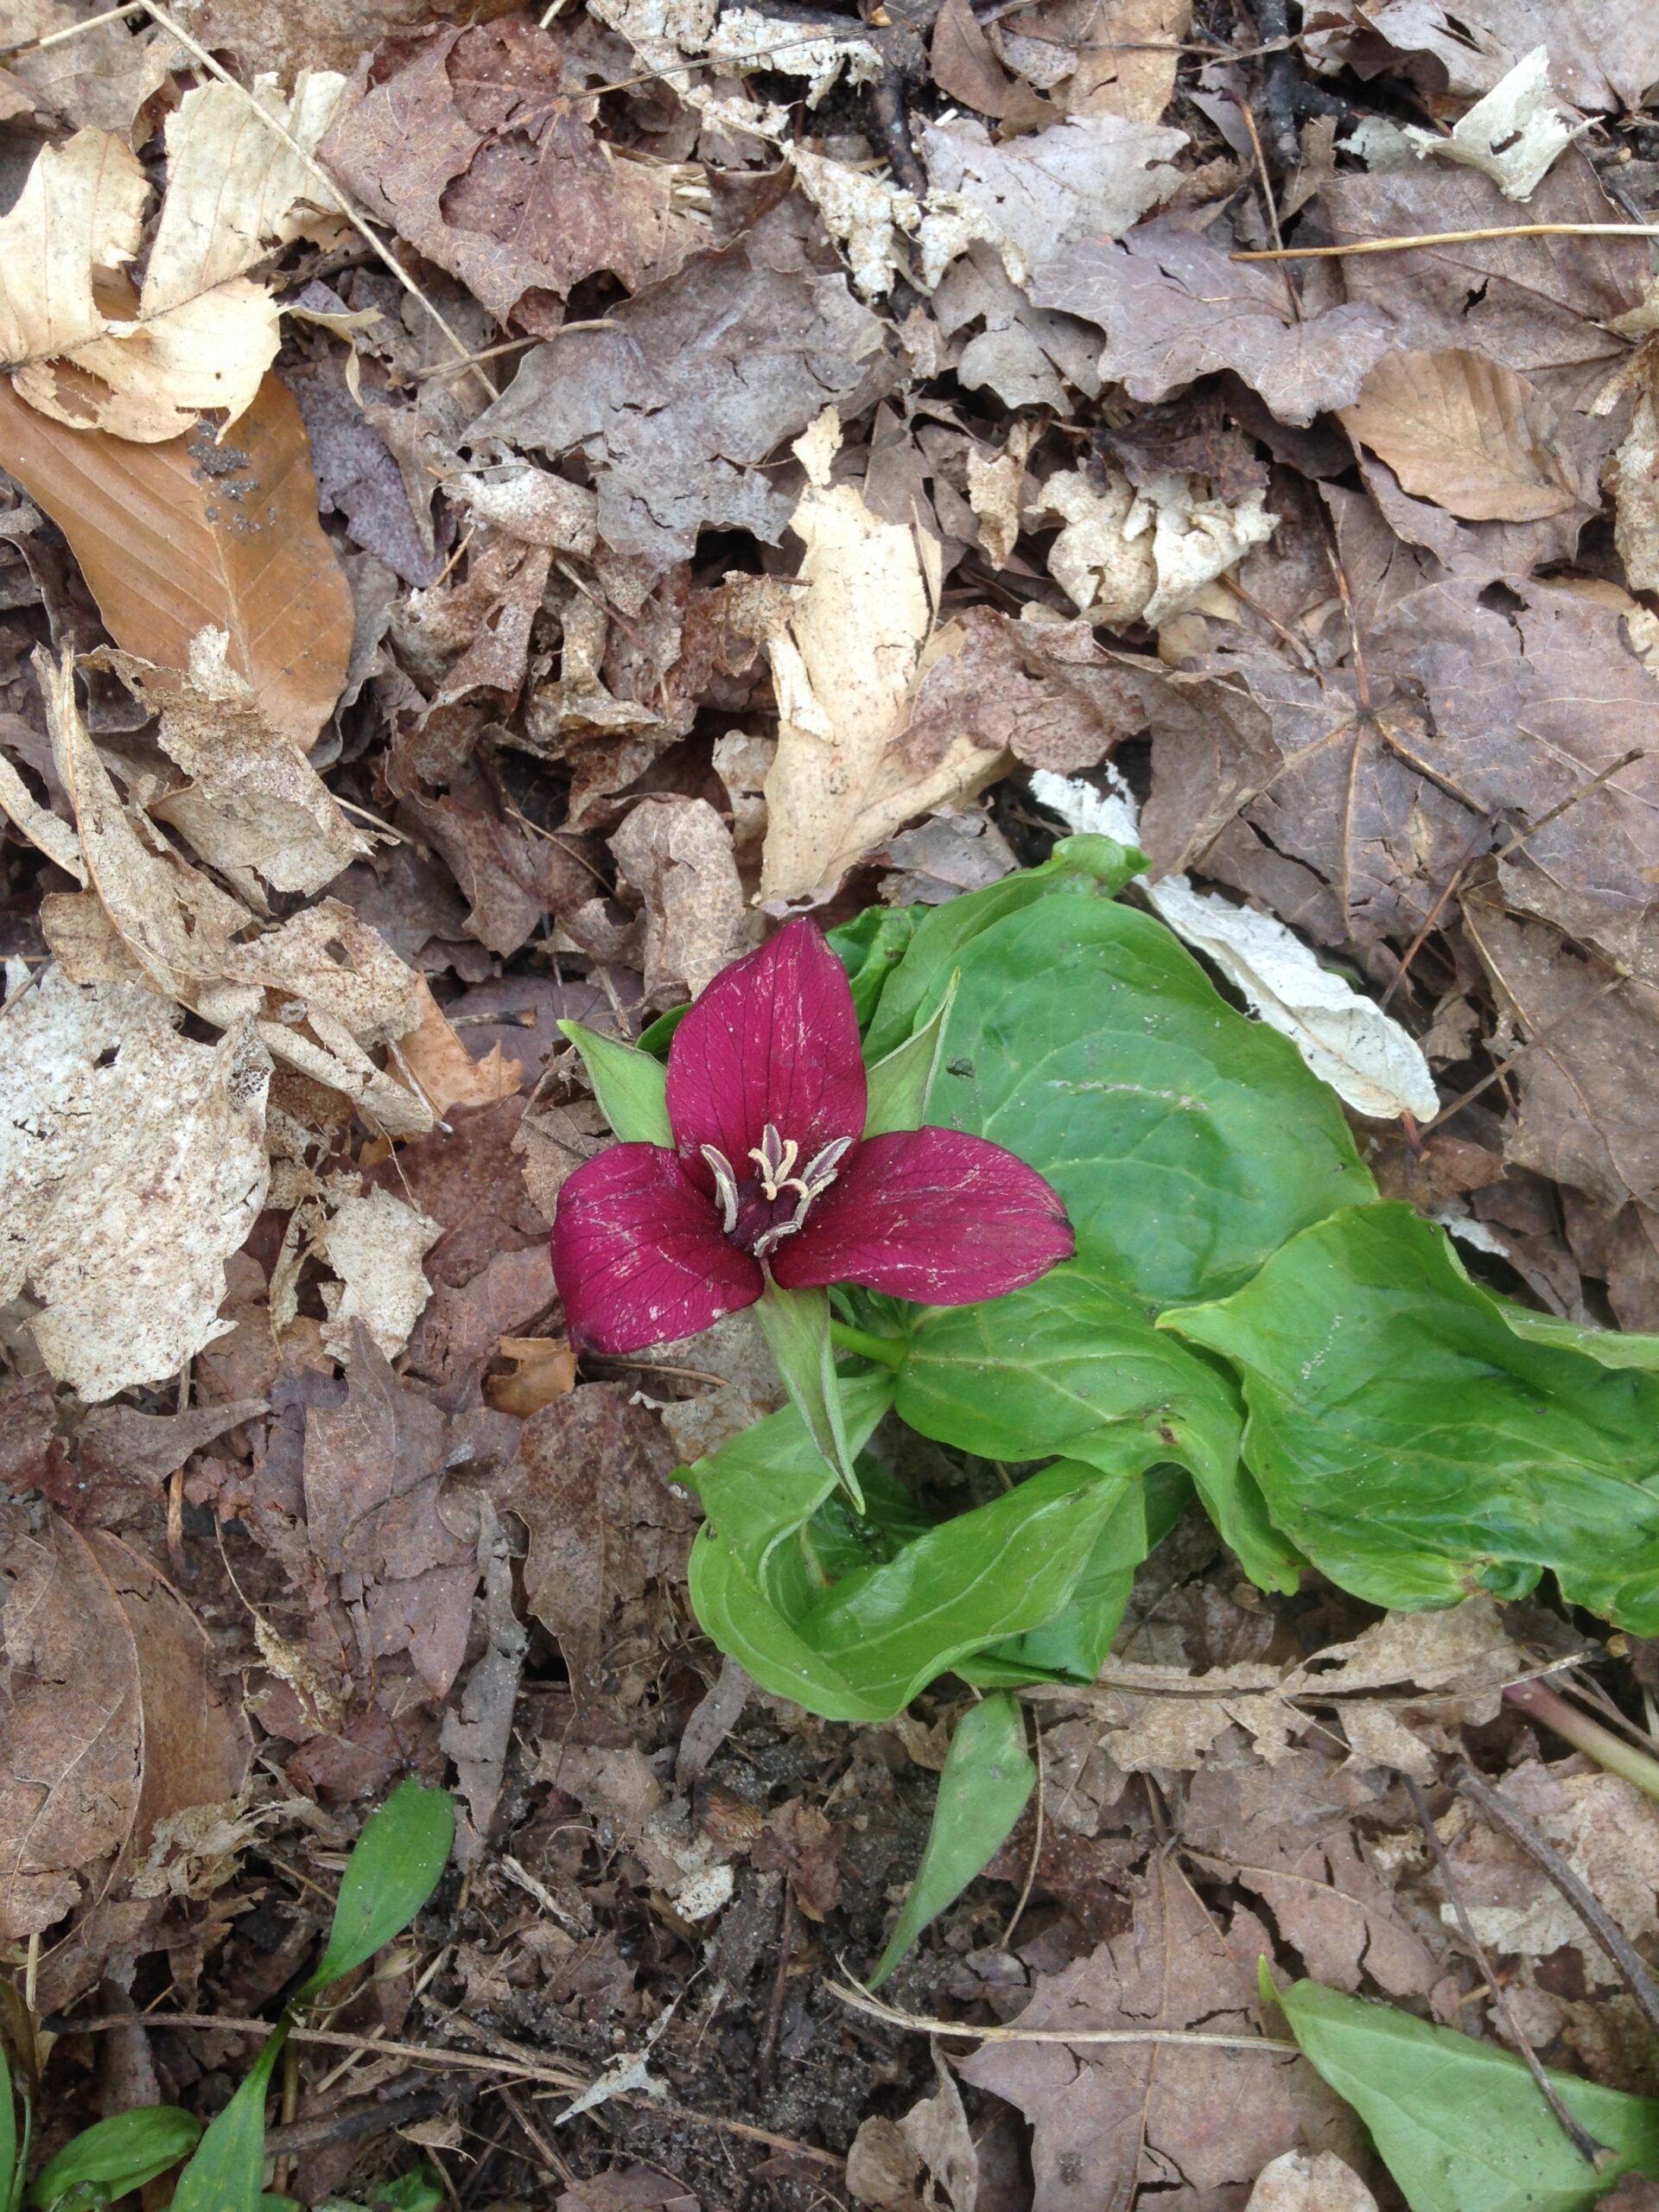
(1462,2126)
(899,1084)
(988,1779)
(393,1869)
(796,1325)
(1416,1445)
(119,2154)
(227,2171)
(628,1084)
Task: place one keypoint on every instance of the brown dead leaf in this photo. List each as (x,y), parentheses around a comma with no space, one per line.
(965,68)
(478,1732)
(468,143)
(445,1072)
(696,384)
(1532,304)
(1173,307)
(1465,432)
(119,1444)
(543,1369)
(1602,58)
(1124,52)
(186,536)
(803,1844)
(591,1483)
(373,1488)
(678,855)
(375,1244)
(116,1721)
(100,78)
(1126,2114)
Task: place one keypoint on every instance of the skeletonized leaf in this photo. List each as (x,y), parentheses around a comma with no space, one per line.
(202,334)
(1461,429)
(186,536)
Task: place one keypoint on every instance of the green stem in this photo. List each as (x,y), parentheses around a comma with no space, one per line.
(888,1351)
(1585,1735)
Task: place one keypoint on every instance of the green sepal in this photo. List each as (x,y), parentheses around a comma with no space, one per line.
(629,1084)
(796,1325)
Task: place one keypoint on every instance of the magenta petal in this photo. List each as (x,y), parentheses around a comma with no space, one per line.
(933,1216)
(637,1255)
(773,1039)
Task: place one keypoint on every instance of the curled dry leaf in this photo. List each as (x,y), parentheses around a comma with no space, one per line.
(848,666)
(115,1721)
(1141,554)
(678,855)
(134,1162)
(443,1070)
(254,802)
(1513,135)
(1463,430)
(201,333)
(1309,2181)
(186,536)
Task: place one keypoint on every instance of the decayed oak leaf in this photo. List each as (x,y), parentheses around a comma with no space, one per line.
(848,667)
(115,1720)
(201,333)
(178,537)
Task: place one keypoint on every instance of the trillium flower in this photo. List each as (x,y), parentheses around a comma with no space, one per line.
(772,1181)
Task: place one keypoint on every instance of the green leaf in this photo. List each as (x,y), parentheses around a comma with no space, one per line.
(628,1084)
(1187,1142)
(657,1036)
(987,1781)
(796,1325)
(228,2168)
(119,2154)
(1089,867)
(869,947)
(758,1492)
(393,1869)
(1072,1364)
(9,2172)
(1462,2126)
(1074,1645)
(887,1631)
(899,1084)
(1417,1444)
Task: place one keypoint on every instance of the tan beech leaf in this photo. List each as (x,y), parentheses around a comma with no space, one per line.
(1309,2181)
(201,333)
(445,1071)
(255,802)
(186,536)
(846,666)
(134,1163)
(1463,431)
(47,832)
(69,1784)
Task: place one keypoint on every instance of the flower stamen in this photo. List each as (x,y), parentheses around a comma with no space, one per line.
(774,1156)
(726,1184)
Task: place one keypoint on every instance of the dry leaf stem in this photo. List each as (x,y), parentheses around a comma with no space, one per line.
(1596,2154)
(1454,238)
(920,2024)
(1596,1917)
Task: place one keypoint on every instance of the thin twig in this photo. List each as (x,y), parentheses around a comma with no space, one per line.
(1456,237)
(780,1986)
(507,345)
(73,30)
(1594,1915)
(314,169)
(1030,1883)
(1244,110)
(861,2001)
(1543,1037)
(1596,2154)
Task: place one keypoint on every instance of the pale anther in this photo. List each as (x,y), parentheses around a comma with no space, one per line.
(726,1184)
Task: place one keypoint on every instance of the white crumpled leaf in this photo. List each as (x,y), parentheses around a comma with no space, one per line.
(1513,135)
(744,33)
(1364,1055)
(1129,555)
(375,1245)
(134,1164)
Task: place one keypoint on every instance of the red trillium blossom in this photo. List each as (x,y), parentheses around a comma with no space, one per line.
(771,1174)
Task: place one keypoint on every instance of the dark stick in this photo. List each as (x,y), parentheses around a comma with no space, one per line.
(887,106)
(775,2010)
(369,2116)
(1596,2155)
(1594,1915)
